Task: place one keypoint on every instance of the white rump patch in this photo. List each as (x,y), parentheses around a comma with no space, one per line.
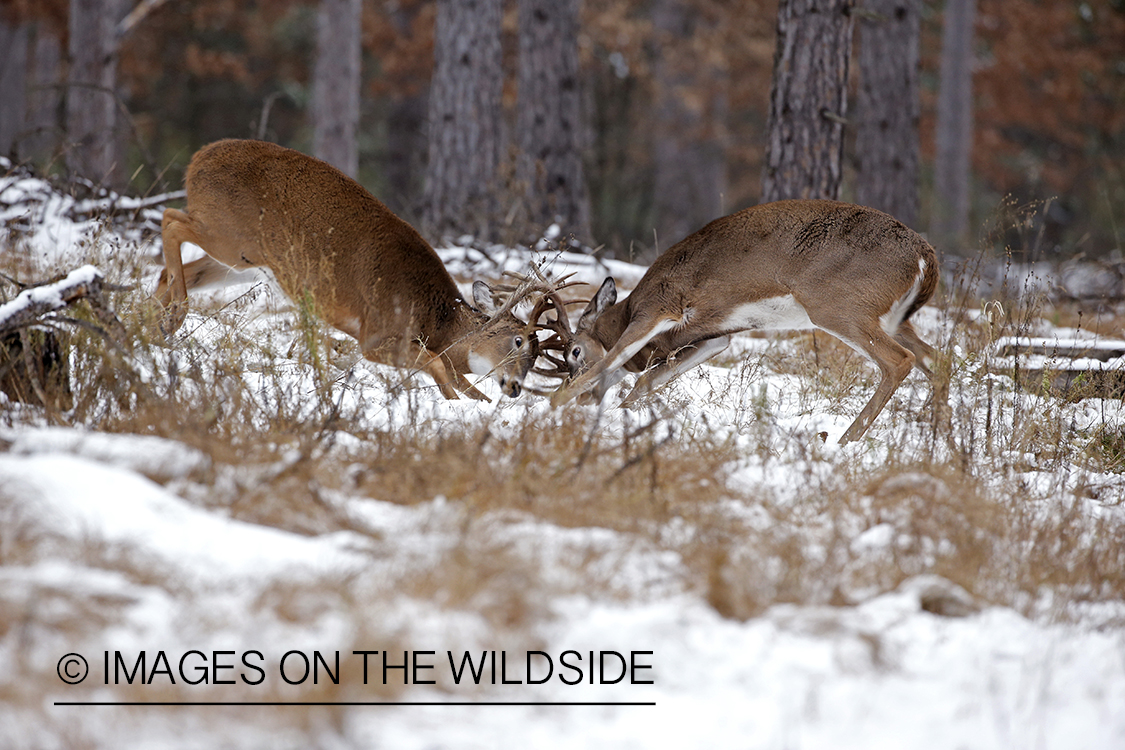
(773,313)
(893,317)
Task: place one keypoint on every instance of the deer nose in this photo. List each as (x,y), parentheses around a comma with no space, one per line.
(510,388)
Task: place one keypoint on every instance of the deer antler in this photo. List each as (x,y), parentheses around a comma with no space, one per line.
(527,286)
(560,325)
(548,290)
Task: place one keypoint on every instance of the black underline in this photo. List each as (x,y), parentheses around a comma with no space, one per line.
(355,703)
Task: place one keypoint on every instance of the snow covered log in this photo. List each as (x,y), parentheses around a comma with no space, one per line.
(32,304)
(1074,367)
(34,365)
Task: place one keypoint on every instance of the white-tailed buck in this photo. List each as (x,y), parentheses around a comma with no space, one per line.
(331,244)
(852,271)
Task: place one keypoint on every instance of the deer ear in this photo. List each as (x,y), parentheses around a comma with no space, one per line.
(605,297)
(482,296)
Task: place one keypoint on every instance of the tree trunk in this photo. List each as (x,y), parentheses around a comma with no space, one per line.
(689,127)
(91,105)
(405,155)
(13,86)
(44,96)
(809,100)
(465,119)
(549,119)
(954,136)
(888,107)
(336,83)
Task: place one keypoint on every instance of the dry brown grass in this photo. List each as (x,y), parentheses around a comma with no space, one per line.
(960,515)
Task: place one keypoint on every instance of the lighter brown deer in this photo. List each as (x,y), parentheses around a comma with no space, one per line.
(852,271)
(329,242)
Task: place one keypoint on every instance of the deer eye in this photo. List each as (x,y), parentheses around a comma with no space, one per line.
(518,341)
(576,352)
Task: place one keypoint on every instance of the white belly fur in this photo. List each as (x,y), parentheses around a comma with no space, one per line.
(774,313)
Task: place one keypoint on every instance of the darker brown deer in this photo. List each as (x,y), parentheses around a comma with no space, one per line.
(852,271)
(331,244)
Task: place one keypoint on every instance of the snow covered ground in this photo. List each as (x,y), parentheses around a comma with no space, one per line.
(118,545)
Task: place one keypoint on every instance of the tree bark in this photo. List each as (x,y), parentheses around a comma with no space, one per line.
(13,85)
(44,96)
(888,109)
(465,128)
(809,100)
(549,120)
(405,156)
(691,109)
(954,135)
(91,105)
(336,84)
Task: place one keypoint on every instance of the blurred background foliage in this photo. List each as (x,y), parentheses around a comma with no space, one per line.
(1049,93)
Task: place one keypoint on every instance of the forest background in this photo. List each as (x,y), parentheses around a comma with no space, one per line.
(669,94)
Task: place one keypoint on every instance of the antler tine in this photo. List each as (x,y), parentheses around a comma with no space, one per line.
(536,282)
(518,294)
(560,325)
(560,283)
(557,285)
(559,368)
(551,343)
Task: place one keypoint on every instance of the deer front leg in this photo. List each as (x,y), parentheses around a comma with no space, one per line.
(448,380)
(171,289)
(690,356)
(632,340)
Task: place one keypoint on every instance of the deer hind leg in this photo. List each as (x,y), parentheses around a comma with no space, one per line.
(632,340)
(924,354)
(690,356)
(893,359)
(934,364)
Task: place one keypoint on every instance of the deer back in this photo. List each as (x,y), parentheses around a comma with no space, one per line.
(324,237)
(850,270)
(332,245)
(816,253)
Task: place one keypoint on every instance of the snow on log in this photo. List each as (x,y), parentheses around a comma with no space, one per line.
(32,304)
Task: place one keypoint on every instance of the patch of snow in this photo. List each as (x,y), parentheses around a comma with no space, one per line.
(74,498)
(158,459)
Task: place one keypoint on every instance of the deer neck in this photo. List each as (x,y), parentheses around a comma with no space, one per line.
(611,324)
(456,339)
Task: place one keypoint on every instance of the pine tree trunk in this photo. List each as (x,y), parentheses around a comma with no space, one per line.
(465,119)
(13,86)
(809,100)
(888,108)
(44,96)
(336,83)
(91,107)
(689,127)
(954,136)
(405,155)
(549,120)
